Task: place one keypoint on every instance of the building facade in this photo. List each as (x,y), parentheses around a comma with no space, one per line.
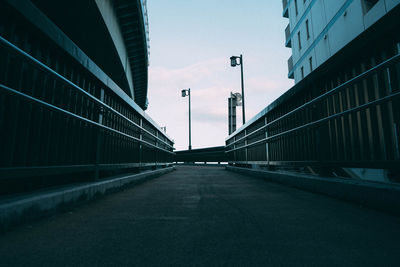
(318,29)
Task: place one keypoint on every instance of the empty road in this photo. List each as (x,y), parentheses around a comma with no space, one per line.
(206,216)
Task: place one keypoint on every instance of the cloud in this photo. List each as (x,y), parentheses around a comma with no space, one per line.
(211,116)
(211,82)
(192,74)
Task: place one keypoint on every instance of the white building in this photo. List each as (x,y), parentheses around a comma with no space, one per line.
(318,29)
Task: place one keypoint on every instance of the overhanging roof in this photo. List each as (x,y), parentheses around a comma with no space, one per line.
(132,17)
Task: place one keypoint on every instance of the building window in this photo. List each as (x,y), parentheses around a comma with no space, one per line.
(308,29)
(298,37)
(302,72)
(368,4)
(295,6)
(311,68)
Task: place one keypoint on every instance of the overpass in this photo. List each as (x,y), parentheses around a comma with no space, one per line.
(73,129)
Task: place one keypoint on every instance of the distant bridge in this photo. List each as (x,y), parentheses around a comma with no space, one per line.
(202,155)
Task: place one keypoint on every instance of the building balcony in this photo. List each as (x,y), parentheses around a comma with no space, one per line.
(290,67)
(288,39)
(285,9)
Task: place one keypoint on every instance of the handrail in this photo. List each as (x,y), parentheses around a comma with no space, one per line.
(44,67)
(50,106)
(348,83)
(352,110)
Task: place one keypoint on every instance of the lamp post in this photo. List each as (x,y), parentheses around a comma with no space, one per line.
(186,92)
(234,63)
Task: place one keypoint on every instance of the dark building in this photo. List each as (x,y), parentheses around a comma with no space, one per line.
(114,34)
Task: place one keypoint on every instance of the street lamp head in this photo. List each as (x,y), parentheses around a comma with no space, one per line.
(185,92)
(233,61)
(234,64)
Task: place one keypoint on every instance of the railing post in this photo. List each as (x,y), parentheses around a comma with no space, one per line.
(396,123)
(245,144)
(156,151)
(266,143)
(99,137)
(234,151)
(140,144)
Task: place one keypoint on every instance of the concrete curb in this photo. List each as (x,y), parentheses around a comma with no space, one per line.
(28,208)
(379,196)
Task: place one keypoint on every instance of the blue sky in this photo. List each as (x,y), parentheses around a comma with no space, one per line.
(190,45)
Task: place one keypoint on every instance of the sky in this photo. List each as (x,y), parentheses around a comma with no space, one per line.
(191,42)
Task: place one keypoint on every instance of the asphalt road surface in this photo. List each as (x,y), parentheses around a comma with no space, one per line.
(206,216)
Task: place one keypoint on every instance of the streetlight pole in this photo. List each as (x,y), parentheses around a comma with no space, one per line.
(241,69)
(190,125)
(234,64)
(186,92)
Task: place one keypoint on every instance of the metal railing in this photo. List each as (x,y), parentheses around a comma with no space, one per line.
(354,124)
(57,118)
(206,155)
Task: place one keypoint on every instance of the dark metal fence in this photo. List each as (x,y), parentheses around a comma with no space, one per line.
(206,155)
(351,120)
(57,117)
